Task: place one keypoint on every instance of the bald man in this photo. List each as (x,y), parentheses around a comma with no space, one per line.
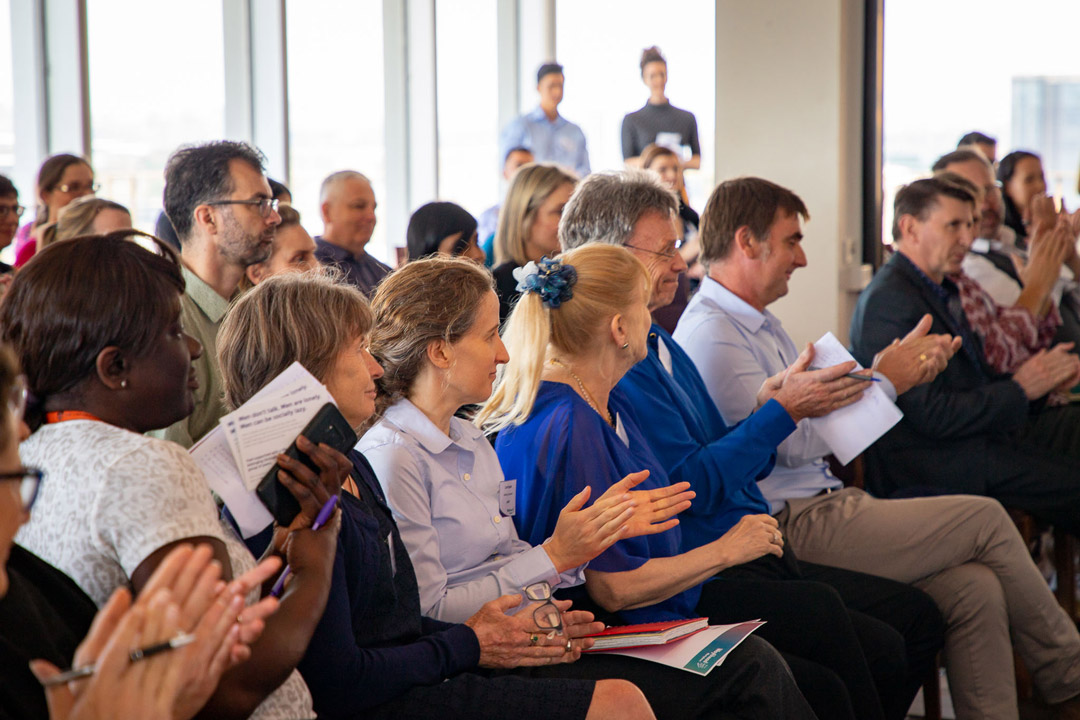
(348,212)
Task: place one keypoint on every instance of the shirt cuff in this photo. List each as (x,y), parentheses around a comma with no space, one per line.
(773,420)
(886,385)
(532,566)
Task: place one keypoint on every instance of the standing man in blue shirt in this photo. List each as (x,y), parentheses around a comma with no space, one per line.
(550,136)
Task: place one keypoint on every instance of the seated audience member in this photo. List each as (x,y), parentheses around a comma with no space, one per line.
(294,250)
(960,549)
(61,179)
(665,163)
(436,335)
(164,229)
(528,225)
(10,212)
(373,653)
(1009,275)
(443,228)
(218,199)
(543,131)
(117,501)
(489,219)
(88,215)
(958,433)
(1021,176)
(348,214)
(280,192)
(659,122)
(582,323)
(982,142)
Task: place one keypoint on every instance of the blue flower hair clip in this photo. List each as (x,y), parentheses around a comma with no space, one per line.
(550,279)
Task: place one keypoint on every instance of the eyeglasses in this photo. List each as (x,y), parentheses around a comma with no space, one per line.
(17,398)
(547,616)
(669,252)
(29,479)
(265,205)
(79,187)
(5,210)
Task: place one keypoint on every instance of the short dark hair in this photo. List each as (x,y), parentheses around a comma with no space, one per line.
(920,197)
(750,201)
(434,222)
(278,188)
(54,318)
(962,155)
(516,148)
(976,137)
(550,68)
(1008,164)
(196,174)
(49,175)
(651,54)
(7,188)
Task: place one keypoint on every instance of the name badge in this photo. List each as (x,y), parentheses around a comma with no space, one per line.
(508,497)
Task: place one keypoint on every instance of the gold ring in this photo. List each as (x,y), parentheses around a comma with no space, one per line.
(533,639)
(922,358)
(568,647)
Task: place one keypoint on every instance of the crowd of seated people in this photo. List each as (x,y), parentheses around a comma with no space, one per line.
(545,448)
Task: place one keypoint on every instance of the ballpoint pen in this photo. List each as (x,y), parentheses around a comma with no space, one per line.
(135,655)
(320,520)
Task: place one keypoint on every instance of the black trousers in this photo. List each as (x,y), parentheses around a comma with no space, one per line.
(858,645)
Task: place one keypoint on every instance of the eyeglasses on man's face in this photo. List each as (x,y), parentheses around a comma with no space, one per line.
(79,188)
(668,252)
(29,479)
(265,205)
(547,617)
(11,209)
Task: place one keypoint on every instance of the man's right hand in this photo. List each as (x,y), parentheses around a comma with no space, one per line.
(812,393)
(1048,370)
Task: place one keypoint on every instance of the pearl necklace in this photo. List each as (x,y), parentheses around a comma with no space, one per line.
(585,392)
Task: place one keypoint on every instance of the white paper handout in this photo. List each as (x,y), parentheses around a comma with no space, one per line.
(850,430)
(213,455)
(699,653)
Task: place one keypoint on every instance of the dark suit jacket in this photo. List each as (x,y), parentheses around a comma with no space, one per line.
(958,432)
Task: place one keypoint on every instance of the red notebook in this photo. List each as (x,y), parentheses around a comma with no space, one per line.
(660,633)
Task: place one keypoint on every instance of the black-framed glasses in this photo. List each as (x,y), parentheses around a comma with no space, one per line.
(18,210)
(265,205)
(79,187)
(29,479)
(669,251)
(547,617)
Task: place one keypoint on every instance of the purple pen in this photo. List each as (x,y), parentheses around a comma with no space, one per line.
(320,520)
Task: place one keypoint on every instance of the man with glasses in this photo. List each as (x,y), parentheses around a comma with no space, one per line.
(348,211)
(10,212)
(220,203)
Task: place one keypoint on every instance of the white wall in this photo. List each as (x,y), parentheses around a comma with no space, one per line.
(788,108)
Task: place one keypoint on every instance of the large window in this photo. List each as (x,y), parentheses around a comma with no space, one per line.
(1006,69)
(600,44)
(156,82)
(467,103)
(336,102)
(7,97)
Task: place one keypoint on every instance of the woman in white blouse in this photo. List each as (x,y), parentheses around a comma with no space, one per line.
(437,338)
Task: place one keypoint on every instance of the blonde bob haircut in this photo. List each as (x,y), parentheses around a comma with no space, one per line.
(310,317)
(433,298)
(609,281)
(77,218)
(532,185)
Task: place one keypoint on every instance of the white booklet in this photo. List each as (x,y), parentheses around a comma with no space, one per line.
(850,430)
(699,653)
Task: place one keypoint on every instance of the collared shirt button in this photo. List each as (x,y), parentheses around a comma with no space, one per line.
(467,477)
(498,519)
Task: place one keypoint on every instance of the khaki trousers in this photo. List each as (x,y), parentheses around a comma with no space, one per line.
(964,552)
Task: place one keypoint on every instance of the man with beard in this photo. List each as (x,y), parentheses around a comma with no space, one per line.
(218,199)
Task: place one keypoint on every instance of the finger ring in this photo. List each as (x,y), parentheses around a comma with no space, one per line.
(776,536)
(922,358)
(568,647)
(533,639)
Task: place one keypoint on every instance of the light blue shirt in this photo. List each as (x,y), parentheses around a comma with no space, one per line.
(559,141)
(444,494)
(736,347)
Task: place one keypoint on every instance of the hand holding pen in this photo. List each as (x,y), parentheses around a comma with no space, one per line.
(320,520)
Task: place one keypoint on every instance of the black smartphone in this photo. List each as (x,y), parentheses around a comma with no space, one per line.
(328,427)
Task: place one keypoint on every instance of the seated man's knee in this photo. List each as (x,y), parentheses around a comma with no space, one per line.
(618,700)
(968,593)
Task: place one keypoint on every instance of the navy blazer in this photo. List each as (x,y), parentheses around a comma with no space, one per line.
(958,432)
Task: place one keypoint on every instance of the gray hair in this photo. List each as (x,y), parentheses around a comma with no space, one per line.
(334,180)
(606,206)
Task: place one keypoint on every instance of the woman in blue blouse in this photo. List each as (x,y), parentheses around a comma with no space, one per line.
(564,425)
(373,653)
(437,338)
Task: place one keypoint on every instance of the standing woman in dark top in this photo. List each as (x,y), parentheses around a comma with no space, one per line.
(373,654)
(528,226)
(1021,176)
(659,121)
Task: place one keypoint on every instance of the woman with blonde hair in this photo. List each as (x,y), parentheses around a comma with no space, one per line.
(581,324)
(87,215)
(528,226)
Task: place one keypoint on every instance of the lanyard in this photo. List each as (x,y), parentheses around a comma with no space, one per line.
(65,415)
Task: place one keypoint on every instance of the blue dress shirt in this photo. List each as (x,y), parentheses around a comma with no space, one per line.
(444,493)
(735,348)
(558,141)
(363,271)
(672,407)
(565,445)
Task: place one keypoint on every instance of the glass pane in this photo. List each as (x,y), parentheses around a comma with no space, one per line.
(150,92)
(7,97)
(336,106)
(948,77)
(466,55)
(603,79)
